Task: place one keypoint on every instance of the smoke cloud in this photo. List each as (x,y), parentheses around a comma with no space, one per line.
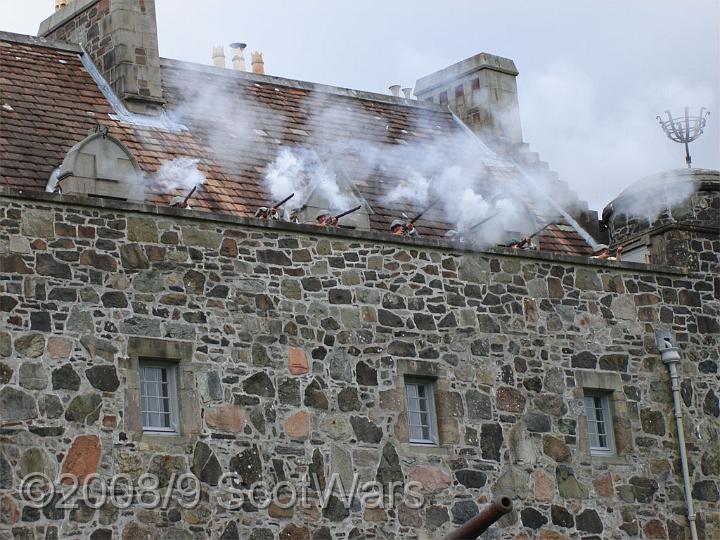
(180,174)
(302,172)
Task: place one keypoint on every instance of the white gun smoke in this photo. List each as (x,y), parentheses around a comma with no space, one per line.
(181,174)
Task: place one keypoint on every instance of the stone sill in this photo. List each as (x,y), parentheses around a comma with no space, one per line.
(311,230)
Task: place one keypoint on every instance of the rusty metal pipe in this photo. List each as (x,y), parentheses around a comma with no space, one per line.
(483,521)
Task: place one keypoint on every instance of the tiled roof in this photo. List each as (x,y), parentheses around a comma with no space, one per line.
(49,102)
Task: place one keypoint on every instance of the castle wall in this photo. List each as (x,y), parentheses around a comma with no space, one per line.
(292,345)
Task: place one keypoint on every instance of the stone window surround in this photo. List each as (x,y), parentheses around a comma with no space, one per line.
(610,383)
(179,353)
(418,369)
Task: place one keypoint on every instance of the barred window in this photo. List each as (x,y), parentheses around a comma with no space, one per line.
(600,429)
(422,420)
(158,393)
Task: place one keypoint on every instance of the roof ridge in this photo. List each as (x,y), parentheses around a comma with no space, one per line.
(35,41)
(304,85)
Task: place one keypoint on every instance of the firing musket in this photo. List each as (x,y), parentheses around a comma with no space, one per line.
(286,199)
(179,202)
(496,214)
(337,218)
(408,226)
(474,527)
(526,239)
(187,197)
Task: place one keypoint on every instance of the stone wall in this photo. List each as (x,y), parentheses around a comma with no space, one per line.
(292,346)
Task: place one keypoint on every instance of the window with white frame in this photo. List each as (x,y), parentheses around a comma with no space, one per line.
(158,393)
(422,420)
(600,428)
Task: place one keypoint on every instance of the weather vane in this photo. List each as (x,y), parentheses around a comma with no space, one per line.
(684,129)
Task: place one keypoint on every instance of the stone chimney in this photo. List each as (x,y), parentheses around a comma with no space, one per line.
(218,56)
(121,38)
(482,92)
(238,59)
(258,66)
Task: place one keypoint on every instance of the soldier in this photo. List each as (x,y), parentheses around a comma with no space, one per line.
(326,220)
(403,228)
(180,202)
(525,243)
(603,252)
(294,216)
(267,213)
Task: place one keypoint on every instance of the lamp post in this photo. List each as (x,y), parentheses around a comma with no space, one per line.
(684,129)
(671,358)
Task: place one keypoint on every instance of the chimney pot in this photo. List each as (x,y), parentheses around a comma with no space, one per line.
(238,58)
(258,65)
(218,56)
(407,92)
(395,90)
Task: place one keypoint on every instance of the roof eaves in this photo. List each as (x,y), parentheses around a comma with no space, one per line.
(34,41)
(303,85)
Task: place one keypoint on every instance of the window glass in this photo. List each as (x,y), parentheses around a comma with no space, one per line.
(599,419)
(158,395)
(422,421)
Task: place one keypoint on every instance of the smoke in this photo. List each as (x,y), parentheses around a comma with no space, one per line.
(667,192)
(395,164)
(180,174)
(302,172)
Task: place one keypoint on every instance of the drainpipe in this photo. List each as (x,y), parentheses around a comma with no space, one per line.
(671,357)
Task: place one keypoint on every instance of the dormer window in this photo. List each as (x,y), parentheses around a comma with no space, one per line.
(99,166)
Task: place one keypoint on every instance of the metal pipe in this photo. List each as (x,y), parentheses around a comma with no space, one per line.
(671,357)
(474,527)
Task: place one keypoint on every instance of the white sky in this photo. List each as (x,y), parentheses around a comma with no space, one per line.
(593,74)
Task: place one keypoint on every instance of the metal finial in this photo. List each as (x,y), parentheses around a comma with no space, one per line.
(684,129)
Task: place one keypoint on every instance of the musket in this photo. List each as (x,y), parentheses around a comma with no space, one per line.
(286,199)
(496,214)
(187,198)
(336,218)
(474,527)
(421,214)
(531,235)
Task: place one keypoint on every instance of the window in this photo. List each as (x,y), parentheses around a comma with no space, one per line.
(600,429)
(158,393)
(422,420)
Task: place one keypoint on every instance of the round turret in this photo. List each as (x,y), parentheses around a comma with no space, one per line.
(681,196)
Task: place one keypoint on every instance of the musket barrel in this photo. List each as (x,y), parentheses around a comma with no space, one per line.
(483,521)
(496,214)
(286,199)
(187,198)
(348,212)
(421,214)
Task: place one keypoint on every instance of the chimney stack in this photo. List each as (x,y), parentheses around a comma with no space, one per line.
(395,90)
(238,59)
(120,36)
(407,92)
(59,4)
(482,92)
(258,66)
(218,56)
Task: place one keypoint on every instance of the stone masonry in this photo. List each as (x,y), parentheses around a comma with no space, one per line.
(292,344)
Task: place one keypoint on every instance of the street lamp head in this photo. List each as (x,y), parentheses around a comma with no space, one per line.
(665,344)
